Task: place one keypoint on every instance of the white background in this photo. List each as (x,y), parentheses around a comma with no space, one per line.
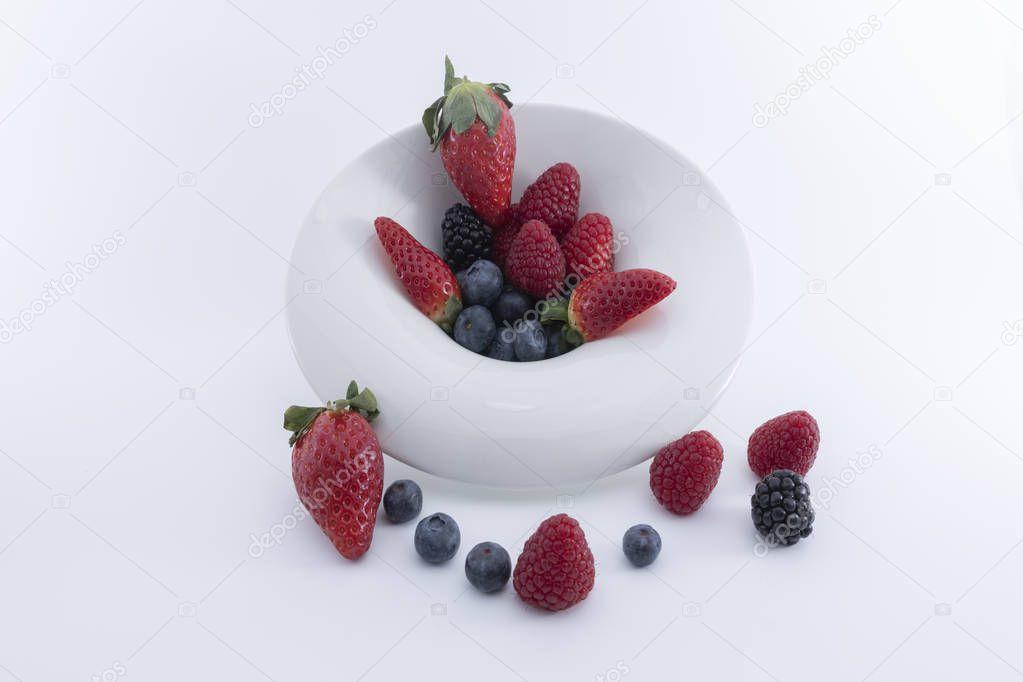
(887,306)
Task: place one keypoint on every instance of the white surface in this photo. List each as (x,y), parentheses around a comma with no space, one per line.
(921,282)
(596,411)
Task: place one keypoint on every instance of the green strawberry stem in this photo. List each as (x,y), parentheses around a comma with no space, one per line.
(298,419)
(462,103)
(557,311)
(446,320)
(572,336)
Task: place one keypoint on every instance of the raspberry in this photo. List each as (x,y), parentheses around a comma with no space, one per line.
(782,512)
(535,263)
(466,238)
(553,198)
(786,442)
(589,246)
(555,570)
(684,472)
(503,237)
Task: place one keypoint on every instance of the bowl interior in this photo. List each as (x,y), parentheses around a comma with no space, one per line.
(597,410)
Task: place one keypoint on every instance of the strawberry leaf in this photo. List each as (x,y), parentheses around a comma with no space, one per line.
(487,110)
(431,120)
(298,420)
(460,110)
(500,89)
(449,75)
(365,404)
(462,103)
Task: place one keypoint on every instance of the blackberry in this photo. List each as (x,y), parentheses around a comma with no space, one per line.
(466,238)
(782,511)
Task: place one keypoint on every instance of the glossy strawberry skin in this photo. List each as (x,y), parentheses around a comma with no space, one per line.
(604,302)
(339,475)
(481,166)
(425,275)
(589,246)
(553,198)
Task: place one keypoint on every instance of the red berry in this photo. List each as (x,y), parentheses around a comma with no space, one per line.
(555,570)
(427,278)
(553,198)
(339,469)
(535,263)
(603,302)
(789,441)
(503,237)
(476,134)
(589,246)
(684,472)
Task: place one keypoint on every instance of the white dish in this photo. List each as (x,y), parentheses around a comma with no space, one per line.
(604,407)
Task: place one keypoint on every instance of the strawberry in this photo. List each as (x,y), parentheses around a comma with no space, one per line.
(589,246)
(476,135)
(553,198)
(427,278)
(338,467)
(535,263)
(604,302)
(555,570)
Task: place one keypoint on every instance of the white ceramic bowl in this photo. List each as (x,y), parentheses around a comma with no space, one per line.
(604,407)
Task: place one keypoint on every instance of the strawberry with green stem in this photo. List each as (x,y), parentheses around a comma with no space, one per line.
(338,467)
(471,124)
(605,301)
(425,275)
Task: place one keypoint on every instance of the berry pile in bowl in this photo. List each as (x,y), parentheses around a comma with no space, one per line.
(591,223)
(526,281)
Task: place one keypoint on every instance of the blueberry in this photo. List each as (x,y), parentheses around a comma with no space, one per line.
(403,501)
(475,328)
(555,344)
(437,538)
(482,284)
(501,348)
(460,278)
(530,341)
(641,545)
(488,566)
(511,306)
